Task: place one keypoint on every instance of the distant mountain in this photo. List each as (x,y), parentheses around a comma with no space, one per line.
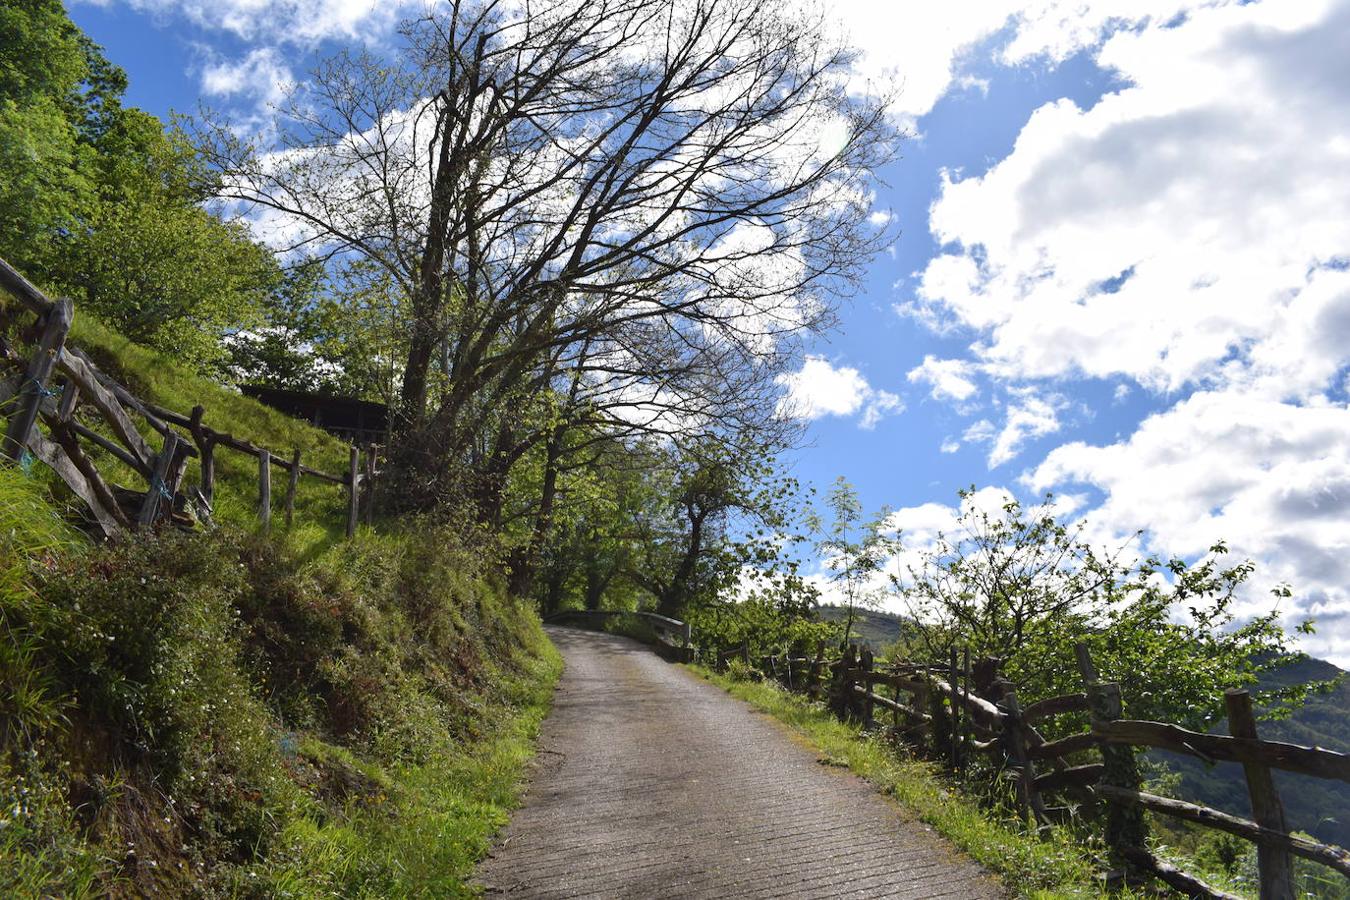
(877,630)
(1318,806)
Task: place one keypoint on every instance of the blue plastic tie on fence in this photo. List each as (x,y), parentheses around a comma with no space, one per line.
(43,390)
(157,485)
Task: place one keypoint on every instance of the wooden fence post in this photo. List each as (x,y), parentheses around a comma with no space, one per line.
(158,488)
(965,696)
(1274,862)
(353,489)
(206,451)
(954,679)
(291,484)
(817,673)
(1125,827)
(265,490)
(865,664)
(941,730)
(34,388)
(368,483)
(1015,744)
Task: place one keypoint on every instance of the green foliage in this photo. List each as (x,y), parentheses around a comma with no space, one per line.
(322,333)
(216,713)
(100,202)
(1019,584)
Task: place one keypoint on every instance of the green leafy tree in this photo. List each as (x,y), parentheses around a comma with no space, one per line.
(43,189)
(101,202)
(854,552)
(1021,585)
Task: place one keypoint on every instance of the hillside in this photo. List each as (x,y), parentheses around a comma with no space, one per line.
(220,713)
(1317,806)
(877,630)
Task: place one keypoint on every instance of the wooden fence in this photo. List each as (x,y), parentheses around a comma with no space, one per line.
(952,711)
(671,638)
(56,427)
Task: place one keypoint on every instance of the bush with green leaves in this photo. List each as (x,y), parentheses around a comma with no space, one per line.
(1022,585)
(185,711)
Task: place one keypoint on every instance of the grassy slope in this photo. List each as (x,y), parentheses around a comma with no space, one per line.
(319,506)
(1030,867)
(227,715)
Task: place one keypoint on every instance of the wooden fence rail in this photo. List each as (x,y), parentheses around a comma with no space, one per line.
(927,704)
(33,405)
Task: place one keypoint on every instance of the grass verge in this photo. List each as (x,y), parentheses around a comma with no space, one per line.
(1037,868)
(427,840)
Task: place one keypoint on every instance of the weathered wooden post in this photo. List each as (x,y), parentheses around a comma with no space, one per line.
(158,489)
(206,452)
(845,673)
(817,673)
(962,754)
(1125,827)
(1015,746)
(953,677)
(939,708)
(368,482)
(866,662)
(292,483)
(353,489)
(70,396)
(1273,861)
(265,490)
(56,323)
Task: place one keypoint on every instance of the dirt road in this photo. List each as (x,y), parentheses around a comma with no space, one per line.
(653,783)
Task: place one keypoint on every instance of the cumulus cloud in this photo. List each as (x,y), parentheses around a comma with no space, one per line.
(950,379)
(260,75)
(1271,478)
(1187,234)
(1029,416)
(820,389)
(1180,223)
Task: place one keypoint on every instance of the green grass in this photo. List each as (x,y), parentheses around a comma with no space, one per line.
(319,507)
(1038,868)
(438,821)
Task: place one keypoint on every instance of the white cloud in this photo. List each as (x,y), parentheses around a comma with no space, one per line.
(284,21)
(879,405)
(260,75)
(1271,478)
(979,432)
(819,389)
(951,379)
(1178,224)
(1029,416)
(949,445)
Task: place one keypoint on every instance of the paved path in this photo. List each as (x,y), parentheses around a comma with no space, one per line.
(653,783)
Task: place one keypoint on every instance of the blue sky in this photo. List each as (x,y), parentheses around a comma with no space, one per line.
(1120,271)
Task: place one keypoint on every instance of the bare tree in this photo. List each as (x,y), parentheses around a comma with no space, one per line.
(669,190)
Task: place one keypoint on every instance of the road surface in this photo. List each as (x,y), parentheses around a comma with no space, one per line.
(653,783)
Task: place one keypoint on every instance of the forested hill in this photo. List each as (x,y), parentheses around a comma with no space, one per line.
(1320,807)
(877,630)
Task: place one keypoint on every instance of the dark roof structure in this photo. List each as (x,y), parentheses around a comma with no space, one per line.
(357,421)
